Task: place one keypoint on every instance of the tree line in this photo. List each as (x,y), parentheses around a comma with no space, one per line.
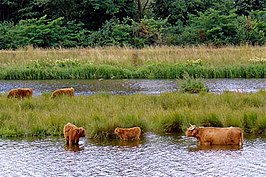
(132,23)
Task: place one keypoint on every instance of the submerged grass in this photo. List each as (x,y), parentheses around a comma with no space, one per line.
(101,114)
(117,63)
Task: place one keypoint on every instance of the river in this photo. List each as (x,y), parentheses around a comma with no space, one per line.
(154,155)
(131,86)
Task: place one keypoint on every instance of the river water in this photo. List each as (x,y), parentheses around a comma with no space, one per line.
(154,155)
(131,86)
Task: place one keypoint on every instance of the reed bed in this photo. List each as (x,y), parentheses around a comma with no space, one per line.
(132,57)
(101,114)
(116,63)
(70,69)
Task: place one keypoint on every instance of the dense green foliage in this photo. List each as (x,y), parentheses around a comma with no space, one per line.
(135,23)
(101,114)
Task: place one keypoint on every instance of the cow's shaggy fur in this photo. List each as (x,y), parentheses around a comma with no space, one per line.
(20,93)
(64,91)
(128,133)
(72,133)
(216,136)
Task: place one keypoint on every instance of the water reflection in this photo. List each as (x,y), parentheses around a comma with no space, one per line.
(154,155)
(133,143)
(74,148)
(117,142)
(215,148)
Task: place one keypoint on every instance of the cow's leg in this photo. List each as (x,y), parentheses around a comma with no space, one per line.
(206,143)
(67,139)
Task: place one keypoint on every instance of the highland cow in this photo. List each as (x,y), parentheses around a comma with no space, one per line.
(128,133)
(72,133)
(20,93)
(64,91)
(216,136)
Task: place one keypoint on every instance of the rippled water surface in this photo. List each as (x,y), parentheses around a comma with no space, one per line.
(132,86)
(153,156)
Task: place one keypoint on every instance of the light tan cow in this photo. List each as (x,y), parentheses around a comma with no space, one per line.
(72,133)
(216,136)
(128,133)
(64,91)
(20,93)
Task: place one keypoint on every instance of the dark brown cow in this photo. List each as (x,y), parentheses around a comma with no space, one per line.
(216,136)
(64,91)
(128,133)
(72,133)
(20,93)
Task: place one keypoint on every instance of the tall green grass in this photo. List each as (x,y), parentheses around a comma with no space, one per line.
(152,71)
(101,114)
(118,63)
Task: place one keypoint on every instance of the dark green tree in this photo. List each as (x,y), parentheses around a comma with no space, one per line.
(14,10)
(93,13)
(244,7)
(179,10)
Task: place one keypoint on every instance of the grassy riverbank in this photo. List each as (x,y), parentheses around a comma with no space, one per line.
(118,63)
(101,114)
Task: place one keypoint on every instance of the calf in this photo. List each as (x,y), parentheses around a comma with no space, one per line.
(128,133)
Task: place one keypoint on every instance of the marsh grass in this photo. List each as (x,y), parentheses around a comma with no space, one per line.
(135,57)
(192,85)
(101,114)
(117,63)
(152,71)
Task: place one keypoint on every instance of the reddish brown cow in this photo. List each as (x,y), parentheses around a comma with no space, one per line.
(64,91)
(72,133)
(128,133)
(216,136)
(20,93)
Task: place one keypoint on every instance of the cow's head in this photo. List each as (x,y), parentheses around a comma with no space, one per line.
(28,92)
(192,131)
(117,130)
(81,132)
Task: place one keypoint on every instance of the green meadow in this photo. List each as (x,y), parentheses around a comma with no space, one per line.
(165,113)
(126,63)
(101,114)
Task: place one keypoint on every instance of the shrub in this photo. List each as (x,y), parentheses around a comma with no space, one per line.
(192,85)
(42,32)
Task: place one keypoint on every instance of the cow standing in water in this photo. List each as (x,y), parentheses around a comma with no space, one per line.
(72,133)
(128,133)
(216,136)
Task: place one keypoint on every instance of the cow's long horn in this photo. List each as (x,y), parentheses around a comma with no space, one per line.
(192,127)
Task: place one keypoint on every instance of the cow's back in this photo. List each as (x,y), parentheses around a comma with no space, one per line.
(220,136)
(234,136)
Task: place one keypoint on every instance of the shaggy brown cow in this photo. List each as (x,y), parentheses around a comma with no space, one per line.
(216,136)
(72,133)
(64,91)
(20,93)
(128,133)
